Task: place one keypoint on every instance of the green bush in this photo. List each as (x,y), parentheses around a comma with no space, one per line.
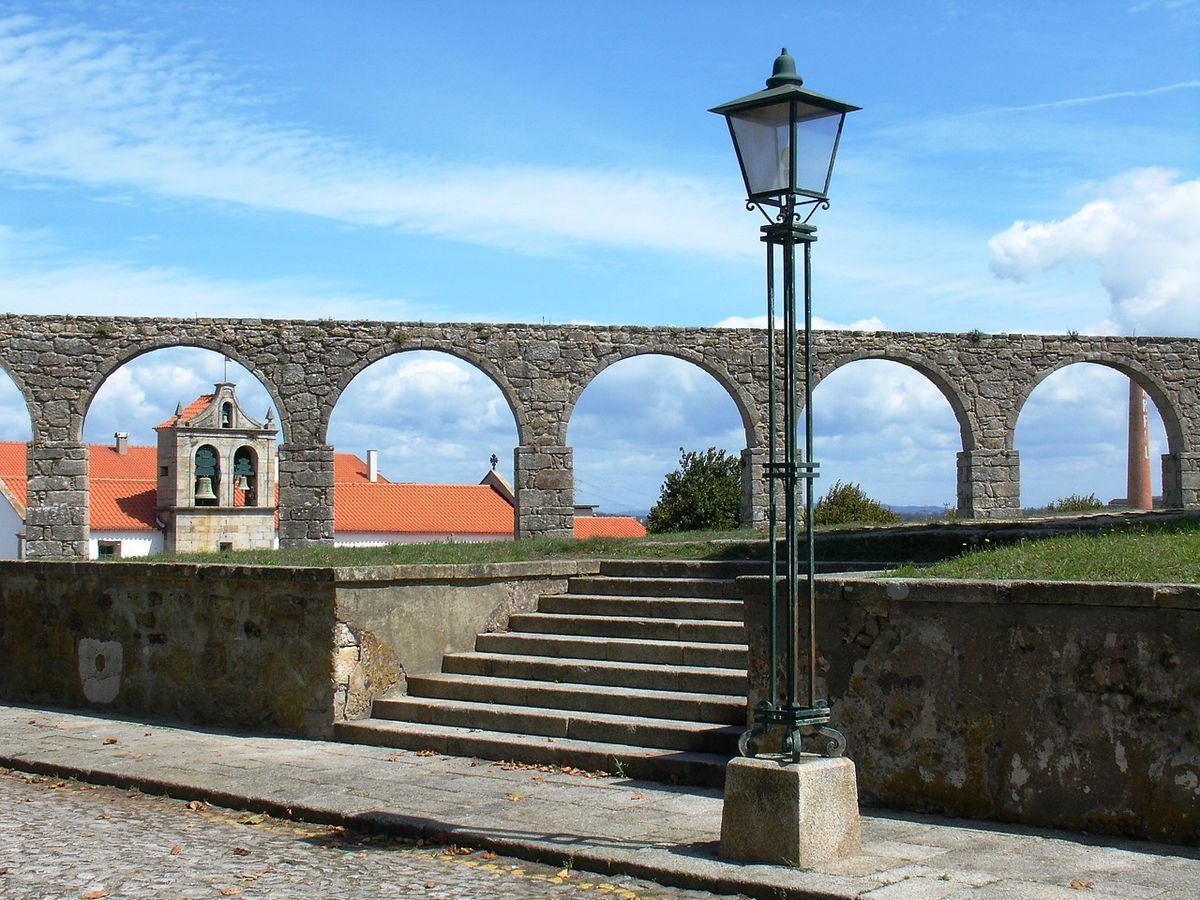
(704,493)
(1074,503)
(848,503)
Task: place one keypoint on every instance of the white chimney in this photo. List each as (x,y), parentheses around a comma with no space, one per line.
(372,465)
(122,445)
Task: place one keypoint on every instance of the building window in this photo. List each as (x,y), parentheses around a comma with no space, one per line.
(108,549)
(164,470)
(225,546)
(245,477)
(226,415)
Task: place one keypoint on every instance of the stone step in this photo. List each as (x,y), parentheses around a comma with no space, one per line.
(715,588)
(681,767)
(666,653)
(642,607)
(682,568)
(665,734)
(702,630)
(695,679)
(599,699)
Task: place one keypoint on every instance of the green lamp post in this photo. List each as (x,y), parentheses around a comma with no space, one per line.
(786,140)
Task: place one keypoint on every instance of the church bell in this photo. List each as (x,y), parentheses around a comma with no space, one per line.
(243,483)
(204,489)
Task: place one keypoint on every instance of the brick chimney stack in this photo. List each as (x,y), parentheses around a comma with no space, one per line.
(1138,494)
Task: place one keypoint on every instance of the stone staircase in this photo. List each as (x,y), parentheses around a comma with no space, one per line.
(639,670)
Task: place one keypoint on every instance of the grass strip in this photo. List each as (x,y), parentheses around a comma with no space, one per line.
(1165,553)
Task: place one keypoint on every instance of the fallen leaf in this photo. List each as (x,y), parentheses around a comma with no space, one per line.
(427,753)
(137,756)
(563,873)
(95,895)
(638,796)
(176,850)
(230,892)
(487,855)
(197,804)
(256,819)
(58,784)
(3,870)
(515,798)
(108,741)
(240,851)
(429,885)
(1082,885)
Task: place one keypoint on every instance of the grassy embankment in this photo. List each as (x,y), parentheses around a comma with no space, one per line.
(1159,552)
(1167,552)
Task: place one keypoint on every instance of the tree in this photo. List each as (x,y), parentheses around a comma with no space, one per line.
(848,503)
(705,492)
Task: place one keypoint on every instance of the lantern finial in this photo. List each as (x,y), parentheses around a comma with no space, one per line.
(784,71)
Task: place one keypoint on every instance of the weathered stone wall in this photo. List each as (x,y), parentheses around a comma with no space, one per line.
(59,363)
(288,650)
(1074,706)
(215,645)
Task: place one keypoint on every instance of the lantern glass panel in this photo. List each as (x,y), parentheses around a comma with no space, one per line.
(763,146)
(816,141)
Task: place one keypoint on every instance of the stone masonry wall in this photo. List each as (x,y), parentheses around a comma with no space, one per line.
(284,650)
(59,362)
(1063,705)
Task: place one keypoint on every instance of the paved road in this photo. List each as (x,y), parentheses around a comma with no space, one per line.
(73,840)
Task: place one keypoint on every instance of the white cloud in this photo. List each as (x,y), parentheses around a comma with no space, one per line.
(873,323)
(109,110)
(1089,404)
(432,417)
(145,391)
(1143,236)
(35,277)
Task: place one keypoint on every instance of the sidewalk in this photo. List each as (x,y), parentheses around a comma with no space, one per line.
(604,824)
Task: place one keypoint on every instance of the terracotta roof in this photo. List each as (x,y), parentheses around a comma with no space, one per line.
(190,411)
(420,509)
(122,504)
(349,468)
(137,463)
(608,526)
(13,473)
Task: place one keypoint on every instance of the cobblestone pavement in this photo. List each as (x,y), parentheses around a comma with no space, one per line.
(67,839)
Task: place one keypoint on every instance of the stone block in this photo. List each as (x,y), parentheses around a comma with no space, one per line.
(791,814)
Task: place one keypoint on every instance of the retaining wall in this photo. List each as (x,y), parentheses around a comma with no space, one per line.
(281,650)
(1064,705)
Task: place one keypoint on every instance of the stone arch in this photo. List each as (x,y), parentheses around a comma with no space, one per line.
(967,426)
(748,407)
(88,395)
(1177,436)
(382,352)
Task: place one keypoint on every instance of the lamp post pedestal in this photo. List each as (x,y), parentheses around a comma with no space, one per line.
(788,813)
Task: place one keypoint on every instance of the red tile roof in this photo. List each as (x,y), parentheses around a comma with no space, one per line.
(121,504)
(608,526)
(13,473)
(349,468)
(138,463)
(123,498)
(193,409)
(420,509)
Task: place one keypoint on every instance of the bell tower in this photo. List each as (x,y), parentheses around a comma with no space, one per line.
(216,475)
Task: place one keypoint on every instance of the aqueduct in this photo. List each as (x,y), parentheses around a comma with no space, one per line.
(59,362)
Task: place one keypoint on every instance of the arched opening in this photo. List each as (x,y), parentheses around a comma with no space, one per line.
(628,426)
(15,434)
(206,476)
(163,443)
(885,426)
(1072,435)
(424,451)
(245,477)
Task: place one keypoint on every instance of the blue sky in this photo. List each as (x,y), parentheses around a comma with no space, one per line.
(1015,167)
